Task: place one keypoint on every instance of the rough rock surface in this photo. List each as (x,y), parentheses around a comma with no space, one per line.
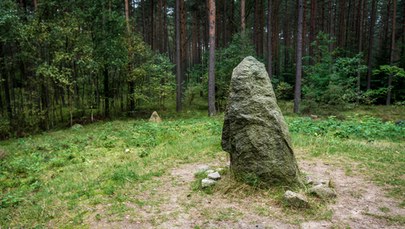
(206,182)
(214,176)
(323,191)
(255,133)
(155,117)
(295,199)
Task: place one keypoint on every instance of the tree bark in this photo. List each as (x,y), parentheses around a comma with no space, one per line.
(106,93)
(298,75)
(360,47)
(127,16)
(312,30)
(269,41)
(370,45)
(242,15)
(178,59)
(392,54)
(211,71)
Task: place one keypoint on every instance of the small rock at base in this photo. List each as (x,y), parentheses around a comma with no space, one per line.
(207,182)
(202,168)
(214,176)
(296,200)
(323,191)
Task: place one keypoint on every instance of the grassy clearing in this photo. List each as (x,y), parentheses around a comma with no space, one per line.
(60,178)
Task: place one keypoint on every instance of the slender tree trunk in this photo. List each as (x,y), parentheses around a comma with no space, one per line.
(106,93)
(312,30)
(370,45)
(165,32)
(178,59)
(183,44)
(152,25)
(242,15)
(211,71)
(269,42)
(127,16)
(360,47)
(275,37)
(297,94)
(392,54)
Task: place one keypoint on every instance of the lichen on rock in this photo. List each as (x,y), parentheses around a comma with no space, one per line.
(255,133)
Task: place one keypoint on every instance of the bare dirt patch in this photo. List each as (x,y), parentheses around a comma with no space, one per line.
(360,204)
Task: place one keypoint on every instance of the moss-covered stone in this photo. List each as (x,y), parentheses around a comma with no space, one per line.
(255,133)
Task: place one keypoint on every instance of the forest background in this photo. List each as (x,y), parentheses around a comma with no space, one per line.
(66,62)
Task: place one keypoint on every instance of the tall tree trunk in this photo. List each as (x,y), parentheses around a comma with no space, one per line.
(392,54)
(211,71)
(312,30)
(242,15)
(269,42)
(183,40)
(178,59)
(127,16)
(194,36)
(360,47)
(275,37)
(298,75)
(370,45)
(258,27)
(342,24)
(106,93)
(152,25)
(165,31)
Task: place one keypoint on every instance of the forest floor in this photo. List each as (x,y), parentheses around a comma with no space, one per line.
(136,174)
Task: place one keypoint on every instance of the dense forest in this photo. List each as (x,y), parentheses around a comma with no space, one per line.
(65,61)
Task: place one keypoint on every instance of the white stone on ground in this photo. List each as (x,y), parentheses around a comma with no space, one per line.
(214,176)
(206,182)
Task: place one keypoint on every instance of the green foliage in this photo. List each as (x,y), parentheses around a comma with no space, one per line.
(390,70)
(330,81)
(283,90)
(368,128)
(226,60)
(371,96)
(154,80)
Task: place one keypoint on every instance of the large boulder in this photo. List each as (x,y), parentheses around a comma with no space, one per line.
(255,133)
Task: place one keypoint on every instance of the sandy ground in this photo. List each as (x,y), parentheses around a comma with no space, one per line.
(358,205)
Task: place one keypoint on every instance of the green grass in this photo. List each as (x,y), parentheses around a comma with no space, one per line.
(55,178)
(59,178)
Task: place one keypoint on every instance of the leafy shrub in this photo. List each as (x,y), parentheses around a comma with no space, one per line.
(330,81)
(284,91)
(368,128)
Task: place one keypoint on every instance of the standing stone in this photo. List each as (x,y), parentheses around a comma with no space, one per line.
(155,117)
(255,133)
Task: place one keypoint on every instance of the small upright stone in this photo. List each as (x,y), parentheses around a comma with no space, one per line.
(155,117)
(76,127)
(255,133)
(214,176)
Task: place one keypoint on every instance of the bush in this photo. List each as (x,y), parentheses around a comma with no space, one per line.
(331,81)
